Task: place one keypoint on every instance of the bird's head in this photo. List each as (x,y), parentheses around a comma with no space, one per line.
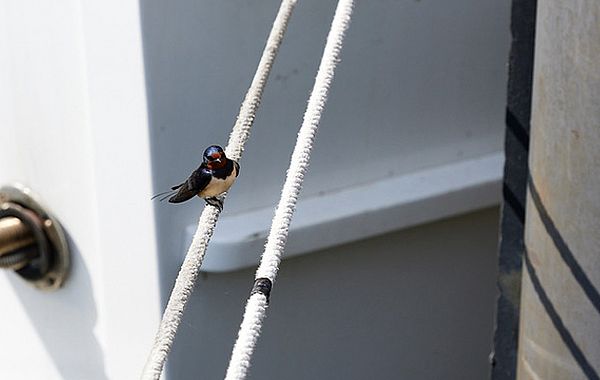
(214,157)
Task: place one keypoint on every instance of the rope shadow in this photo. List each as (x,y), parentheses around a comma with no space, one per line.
(563,249)
(558,323)
(518,130)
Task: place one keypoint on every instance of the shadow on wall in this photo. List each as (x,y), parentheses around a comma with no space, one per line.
(65,322)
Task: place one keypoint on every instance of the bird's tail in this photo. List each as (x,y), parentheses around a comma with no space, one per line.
(183,194)
(166,194)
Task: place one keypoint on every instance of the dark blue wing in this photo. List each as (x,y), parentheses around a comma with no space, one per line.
(196,182)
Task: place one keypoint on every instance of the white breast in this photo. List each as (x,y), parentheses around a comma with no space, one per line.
(218,186)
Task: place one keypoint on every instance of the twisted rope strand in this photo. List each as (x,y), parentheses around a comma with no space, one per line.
(184,284)
(267,271)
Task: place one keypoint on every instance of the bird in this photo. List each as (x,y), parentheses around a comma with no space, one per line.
(215,176)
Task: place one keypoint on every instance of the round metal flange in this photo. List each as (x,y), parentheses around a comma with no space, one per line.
(49,269)
(36,262)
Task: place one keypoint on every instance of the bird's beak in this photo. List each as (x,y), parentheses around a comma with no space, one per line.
(218,160)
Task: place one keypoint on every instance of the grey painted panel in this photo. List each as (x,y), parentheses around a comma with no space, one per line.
(421,83)
(416,304)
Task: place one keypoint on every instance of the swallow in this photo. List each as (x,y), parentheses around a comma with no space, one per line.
(215,176)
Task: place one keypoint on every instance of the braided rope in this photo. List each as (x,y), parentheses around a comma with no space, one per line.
(184,284)
(256,306)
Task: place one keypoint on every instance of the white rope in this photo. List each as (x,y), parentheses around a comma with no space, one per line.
(269,265)
(184,284)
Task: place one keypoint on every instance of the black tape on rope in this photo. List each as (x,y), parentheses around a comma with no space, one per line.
(262,286)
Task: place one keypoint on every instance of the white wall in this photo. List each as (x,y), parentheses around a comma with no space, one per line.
(73,126)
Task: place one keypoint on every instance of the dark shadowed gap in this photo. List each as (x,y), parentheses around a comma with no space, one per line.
(516,149)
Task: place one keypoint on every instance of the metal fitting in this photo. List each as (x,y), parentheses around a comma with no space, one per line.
(32,242)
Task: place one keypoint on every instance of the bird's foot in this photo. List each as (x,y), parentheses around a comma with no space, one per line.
(215,202)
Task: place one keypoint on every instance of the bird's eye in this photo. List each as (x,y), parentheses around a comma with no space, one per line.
(215,155)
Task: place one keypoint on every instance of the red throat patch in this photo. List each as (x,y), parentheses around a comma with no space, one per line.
(216,165)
